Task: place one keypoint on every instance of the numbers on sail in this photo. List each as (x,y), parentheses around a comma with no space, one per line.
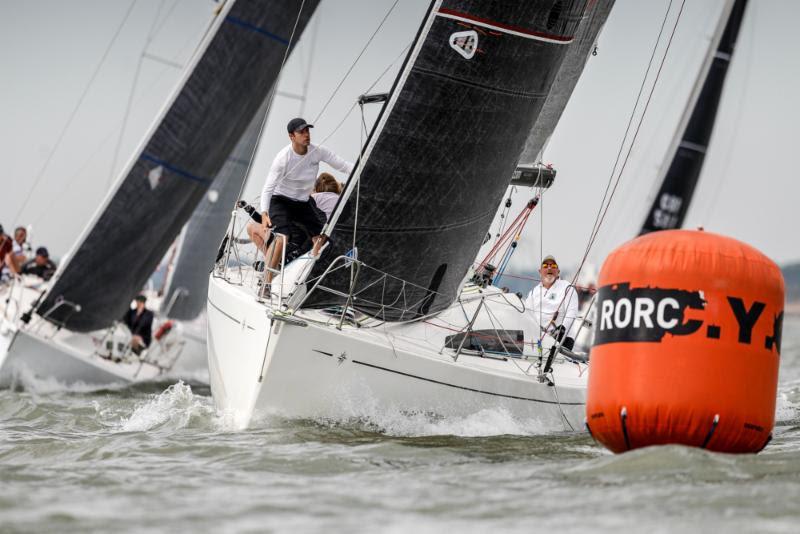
(666,214)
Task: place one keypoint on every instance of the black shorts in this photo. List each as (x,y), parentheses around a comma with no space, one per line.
(298,220)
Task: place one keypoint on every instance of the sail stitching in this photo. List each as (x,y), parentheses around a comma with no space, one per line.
(509,92)
(176,170)
(244,24)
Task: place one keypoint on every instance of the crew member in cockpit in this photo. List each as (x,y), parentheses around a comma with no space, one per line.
(554,302)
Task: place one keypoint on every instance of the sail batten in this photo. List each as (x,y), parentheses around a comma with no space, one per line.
(171,171)
(438,161)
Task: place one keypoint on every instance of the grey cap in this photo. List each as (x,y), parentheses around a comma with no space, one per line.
(549,258)
(297,124)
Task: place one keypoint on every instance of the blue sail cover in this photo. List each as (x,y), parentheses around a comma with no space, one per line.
(176,164)
(678,184)
(443,150)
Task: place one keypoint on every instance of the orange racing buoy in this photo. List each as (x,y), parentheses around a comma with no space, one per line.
(687,344)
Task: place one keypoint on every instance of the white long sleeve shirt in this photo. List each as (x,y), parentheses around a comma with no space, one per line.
(293,175)
(561,297)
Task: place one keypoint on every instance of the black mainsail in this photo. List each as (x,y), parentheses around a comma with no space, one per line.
(680,179)
(229,78)
(440,156)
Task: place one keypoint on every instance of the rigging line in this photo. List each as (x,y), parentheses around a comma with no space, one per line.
(158,77)
(150,35)
(270,100)
(632,116)
(352,66)
(630,147)
(74,112)
(636,132)
(601,213)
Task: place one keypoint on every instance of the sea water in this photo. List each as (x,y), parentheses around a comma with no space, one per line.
(157,457)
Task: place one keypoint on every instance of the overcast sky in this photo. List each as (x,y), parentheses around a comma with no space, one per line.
(61,128)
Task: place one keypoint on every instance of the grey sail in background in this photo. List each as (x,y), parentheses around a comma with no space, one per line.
(680,179)
(160,188)
(439,158)
(187,287)
(571,69)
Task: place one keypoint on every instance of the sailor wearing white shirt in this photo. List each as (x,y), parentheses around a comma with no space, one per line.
(554,302)
(285,197)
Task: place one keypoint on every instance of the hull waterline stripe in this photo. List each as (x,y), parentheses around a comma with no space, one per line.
(504,28)
(176,170)
(229,316)
(469,389)
(251,27)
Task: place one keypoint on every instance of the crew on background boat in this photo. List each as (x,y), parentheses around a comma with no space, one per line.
(41,265)
(285,199)
(7,266)
(22,248)
(139,321)
(554,302)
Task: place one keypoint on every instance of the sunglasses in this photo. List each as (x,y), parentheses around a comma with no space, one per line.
(550,264)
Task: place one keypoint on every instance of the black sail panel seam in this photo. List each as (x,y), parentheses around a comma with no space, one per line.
(498,90)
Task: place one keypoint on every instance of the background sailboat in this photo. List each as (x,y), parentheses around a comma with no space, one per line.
(680,177)
(227,82)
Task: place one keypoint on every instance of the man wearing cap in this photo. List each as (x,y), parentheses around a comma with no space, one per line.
(553,302)
(40,265)
(286,193)
(139,321)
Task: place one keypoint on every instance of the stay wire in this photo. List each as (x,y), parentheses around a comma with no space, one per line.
(150,35)
(74,112)
(611,191)
(631,118)
(604,209)
(352,66)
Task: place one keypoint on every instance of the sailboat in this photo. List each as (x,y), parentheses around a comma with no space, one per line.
(678,179)
(386,318)
(67,329)
(688,149)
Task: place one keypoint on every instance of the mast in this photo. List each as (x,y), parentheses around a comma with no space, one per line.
(688,148)
(437,162)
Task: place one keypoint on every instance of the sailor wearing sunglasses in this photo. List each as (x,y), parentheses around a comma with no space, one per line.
(554,302)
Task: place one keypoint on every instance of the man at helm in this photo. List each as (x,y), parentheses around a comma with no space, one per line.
(553,302)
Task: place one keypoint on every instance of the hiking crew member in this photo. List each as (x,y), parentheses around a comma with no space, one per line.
(554,302)
(285,197)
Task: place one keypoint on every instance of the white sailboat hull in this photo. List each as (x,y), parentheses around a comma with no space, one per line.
(38,351)
(33,358)
(258,366)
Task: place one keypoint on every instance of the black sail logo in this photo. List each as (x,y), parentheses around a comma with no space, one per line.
(644,314)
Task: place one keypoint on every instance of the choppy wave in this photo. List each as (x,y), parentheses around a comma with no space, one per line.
(175,408)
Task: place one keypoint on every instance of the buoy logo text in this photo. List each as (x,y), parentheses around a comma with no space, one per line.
(647,314)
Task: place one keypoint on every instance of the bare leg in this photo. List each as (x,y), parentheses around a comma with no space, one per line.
(318,242)
(255,233)
(274,254)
